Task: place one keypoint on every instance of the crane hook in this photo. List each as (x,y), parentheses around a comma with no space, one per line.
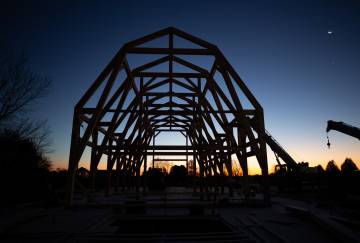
(328,142)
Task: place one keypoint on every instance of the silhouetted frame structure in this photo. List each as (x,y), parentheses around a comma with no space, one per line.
(184,84)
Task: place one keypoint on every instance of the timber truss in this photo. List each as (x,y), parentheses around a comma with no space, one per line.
(179,83)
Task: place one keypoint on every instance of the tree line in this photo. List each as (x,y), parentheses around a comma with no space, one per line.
(347,167)
(24,142)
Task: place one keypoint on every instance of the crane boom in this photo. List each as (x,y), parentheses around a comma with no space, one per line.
(343,128)
(280,151)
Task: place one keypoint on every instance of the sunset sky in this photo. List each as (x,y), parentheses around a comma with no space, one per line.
(301,59)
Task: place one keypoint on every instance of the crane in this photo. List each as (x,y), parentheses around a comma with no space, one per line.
(343,128)
(279,151)
(289,175)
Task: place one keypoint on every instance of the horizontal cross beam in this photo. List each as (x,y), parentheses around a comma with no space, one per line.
(173,51)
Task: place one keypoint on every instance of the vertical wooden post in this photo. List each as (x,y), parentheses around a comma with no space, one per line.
(109,167)
(117,179)
(153,155)
(144,172)
(73,158)
(263,156)
(194,173)
(137,175)
(93,159)
(187,154)
(201,168)
(231,192)
(222,175)
(243,162)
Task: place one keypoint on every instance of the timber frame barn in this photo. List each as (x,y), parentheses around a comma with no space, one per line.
(179,83)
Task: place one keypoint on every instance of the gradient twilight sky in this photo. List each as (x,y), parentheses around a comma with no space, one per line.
(301,74)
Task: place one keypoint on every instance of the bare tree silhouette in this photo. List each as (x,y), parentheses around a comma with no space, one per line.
(19,88)
(24,143)
(191,167)
(36,131)
(236,168)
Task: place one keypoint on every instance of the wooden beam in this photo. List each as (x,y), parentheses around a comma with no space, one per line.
(173,51)
(167,75)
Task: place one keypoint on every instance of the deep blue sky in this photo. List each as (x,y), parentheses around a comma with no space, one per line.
(300,74)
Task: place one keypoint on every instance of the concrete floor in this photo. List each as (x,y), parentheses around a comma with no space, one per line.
(172,215)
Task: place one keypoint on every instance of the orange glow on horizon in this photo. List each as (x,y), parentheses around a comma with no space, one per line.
(315,156)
